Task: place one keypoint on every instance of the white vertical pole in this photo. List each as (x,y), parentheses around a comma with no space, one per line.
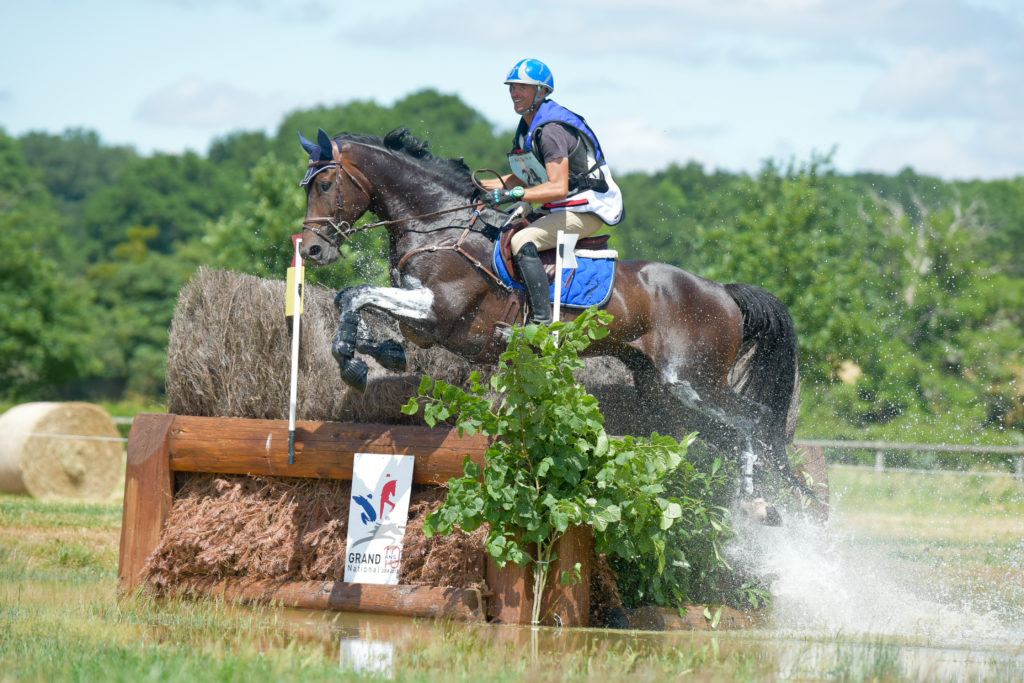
(559,248)
(565,257)
(296,327)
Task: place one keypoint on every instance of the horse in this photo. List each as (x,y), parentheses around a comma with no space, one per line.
(718,358)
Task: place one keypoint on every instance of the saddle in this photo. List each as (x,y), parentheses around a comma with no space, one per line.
(594,243)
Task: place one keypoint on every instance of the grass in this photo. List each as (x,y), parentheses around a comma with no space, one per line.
(60,618)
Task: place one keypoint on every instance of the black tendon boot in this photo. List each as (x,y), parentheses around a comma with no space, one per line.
(536,281)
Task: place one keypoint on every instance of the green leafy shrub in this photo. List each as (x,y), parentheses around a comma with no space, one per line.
(552,466)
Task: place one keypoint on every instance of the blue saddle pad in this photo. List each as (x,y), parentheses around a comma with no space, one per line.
(589,284)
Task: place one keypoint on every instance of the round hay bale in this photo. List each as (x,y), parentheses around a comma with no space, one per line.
(229,355)
(37,458)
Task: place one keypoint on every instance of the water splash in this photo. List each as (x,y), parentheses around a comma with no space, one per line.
(823,581)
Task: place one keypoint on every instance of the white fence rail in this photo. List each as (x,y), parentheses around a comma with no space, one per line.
(880,448)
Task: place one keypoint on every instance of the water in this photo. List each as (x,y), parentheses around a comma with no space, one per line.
(842,595)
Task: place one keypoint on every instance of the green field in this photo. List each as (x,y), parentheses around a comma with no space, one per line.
(940,554)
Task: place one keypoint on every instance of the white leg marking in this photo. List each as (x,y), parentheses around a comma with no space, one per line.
(412,304)
(749,458)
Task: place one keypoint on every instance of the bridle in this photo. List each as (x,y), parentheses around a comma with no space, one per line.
(342,230)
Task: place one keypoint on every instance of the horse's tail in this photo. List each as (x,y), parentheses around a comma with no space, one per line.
(767,368)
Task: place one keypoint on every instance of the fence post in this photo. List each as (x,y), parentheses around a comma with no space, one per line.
(1019,470)
(879,461)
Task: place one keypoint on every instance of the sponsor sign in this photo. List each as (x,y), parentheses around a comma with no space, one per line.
(377,516)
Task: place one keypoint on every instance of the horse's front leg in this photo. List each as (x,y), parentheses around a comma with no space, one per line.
(412,306)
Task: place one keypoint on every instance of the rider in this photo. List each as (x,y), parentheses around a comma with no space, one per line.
(556,161)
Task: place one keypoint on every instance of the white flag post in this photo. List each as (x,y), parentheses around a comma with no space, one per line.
(293,306)
(565,257)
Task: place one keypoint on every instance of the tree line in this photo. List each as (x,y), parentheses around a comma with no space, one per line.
(907,290)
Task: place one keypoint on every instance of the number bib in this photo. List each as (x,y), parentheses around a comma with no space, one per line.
(528,167)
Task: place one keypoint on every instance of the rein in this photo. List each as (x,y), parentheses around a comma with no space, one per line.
(457,248)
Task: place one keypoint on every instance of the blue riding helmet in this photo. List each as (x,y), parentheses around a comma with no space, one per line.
(531,72)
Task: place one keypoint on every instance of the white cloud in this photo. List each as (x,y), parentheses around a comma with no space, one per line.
(940,152)
(633,144)
(198,104)
(763,77)
(928,84)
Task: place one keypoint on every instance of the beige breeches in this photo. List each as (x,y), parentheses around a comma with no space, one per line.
(544,231)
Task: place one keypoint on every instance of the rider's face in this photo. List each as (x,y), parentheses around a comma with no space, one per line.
(522,95)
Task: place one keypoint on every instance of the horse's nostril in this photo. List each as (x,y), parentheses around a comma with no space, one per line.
(314,251)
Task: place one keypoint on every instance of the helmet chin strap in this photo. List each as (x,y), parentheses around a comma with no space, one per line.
(542,93)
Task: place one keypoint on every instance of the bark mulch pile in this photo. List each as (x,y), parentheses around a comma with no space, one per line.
(257,527)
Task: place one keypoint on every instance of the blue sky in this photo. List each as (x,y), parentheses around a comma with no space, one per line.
(933,84)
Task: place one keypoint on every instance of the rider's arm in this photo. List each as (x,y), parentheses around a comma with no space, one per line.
(557,186)
(554,190)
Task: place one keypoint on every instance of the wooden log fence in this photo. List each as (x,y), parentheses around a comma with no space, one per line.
(160,445)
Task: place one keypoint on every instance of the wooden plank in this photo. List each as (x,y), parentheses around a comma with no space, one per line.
(511,599)
(148,489)
(668,619)
(460,604)
(323,450)
(570,605)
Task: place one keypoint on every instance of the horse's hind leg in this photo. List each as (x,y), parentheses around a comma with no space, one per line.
(729,421)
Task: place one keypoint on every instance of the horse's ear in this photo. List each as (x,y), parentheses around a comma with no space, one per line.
(307,144)
(327,150)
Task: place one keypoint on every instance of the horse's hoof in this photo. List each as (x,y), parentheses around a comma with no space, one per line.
(354,374)
(391,356)
(762,512)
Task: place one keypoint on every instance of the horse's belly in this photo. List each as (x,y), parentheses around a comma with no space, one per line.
(420,338)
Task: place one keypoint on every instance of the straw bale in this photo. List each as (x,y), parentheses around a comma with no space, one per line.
(280,528)
(229,355)
(60,450)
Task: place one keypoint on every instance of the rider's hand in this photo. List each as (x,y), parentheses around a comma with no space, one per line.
(495,197)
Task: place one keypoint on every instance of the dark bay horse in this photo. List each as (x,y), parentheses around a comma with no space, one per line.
(721,359)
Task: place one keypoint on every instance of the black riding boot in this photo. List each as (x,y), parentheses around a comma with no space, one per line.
(536,280)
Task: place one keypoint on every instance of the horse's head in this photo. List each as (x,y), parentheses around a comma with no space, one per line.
(335,199)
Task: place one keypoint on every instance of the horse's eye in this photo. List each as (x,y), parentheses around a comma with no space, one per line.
(325,185)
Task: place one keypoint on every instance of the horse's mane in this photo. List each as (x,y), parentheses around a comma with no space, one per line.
(404,142)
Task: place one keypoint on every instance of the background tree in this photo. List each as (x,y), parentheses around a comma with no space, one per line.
(48,315)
